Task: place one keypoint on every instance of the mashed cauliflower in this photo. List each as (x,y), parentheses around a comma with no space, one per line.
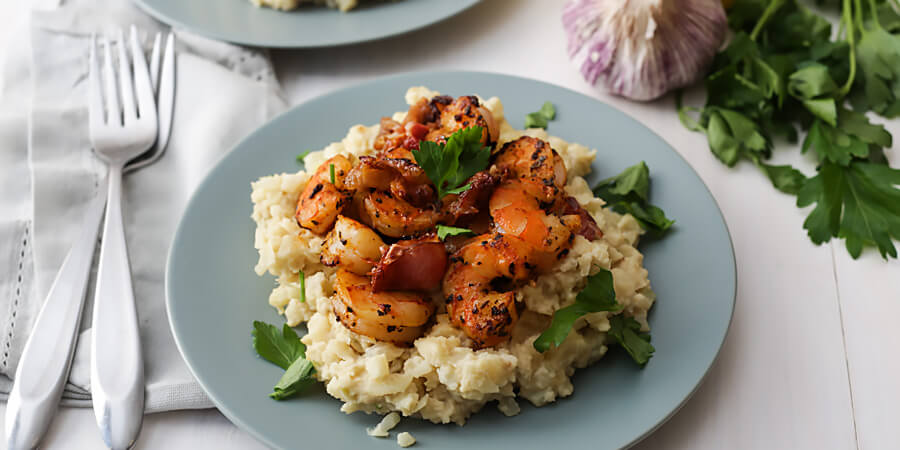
(441,378)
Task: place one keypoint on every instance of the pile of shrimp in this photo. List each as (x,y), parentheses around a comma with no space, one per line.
(379,215)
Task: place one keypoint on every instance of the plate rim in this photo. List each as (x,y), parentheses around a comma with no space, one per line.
(225,410)
(145,6)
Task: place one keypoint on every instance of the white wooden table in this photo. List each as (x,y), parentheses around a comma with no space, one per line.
(812,358)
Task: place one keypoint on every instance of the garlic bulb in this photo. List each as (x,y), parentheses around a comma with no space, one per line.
(640,49)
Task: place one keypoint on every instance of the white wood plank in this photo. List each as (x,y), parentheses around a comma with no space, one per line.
(870,300)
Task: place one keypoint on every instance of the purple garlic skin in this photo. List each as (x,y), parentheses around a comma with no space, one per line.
(641,49)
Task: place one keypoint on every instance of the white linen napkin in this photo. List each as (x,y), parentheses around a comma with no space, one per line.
(48,175)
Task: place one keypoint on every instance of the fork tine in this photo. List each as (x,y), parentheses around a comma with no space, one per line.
(95,100)
(154,61)
(113,113)
(125,81)
(145,100)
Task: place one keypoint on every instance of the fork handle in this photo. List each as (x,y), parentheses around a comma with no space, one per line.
(117,368)
(44,366)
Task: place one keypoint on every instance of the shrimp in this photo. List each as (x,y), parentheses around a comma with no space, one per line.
(517,213)
(352,246)
(477,286)
(395,316)
(533,159)
(395,217)
(464,112)
(321,201)
(402,177)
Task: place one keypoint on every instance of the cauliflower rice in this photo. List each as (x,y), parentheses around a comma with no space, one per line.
(441,378)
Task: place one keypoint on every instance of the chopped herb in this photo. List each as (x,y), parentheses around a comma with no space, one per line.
(627,332)
(285,350)
(296,378)
(302,156)
(449,165)
(540,118)
(331,172)
(443,231)
(302,278)
(628,193)
(784,70)
(598,295)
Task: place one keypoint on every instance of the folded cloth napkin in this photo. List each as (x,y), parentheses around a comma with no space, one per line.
(48,175)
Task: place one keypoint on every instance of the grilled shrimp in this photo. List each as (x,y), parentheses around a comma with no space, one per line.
(516,213)
(394,316)
(321,201)
(402,177)
(533,159)
(464,112)
(395,217)
(477,300)
(352,246)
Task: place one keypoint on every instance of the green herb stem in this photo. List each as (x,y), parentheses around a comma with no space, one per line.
(874,14)
(331,172)
(847,15)
(761,23)
(302,287)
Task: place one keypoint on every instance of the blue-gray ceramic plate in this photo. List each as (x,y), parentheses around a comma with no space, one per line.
(241,22)
(213,295)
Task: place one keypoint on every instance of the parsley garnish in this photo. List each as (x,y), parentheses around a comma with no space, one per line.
(449,165)
(539,119)
(628,193)
(285,350)
(598,295)
(782,70)
(444,230)
(627,332)
(302,278)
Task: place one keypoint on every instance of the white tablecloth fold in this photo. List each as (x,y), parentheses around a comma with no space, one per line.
(48,175)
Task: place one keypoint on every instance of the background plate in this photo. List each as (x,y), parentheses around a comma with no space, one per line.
(213,295)
(240,22)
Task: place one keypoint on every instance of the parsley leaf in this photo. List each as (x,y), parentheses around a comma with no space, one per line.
(444,230)
(281,349)
(598,295)
(879,62)
(859,202)
(296,378)
(628,193)
(627,333)
(285,350)
(784,70)
(449,165)
(540,118)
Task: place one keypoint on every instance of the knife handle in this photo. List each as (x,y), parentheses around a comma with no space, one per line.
(44,366)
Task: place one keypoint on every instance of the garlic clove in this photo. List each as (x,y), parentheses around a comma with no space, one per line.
(641,49)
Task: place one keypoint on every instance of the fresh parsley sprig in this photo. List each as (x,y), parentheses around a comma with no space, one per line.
(285,350)
(445,230)
(782,71)
(598,295)
(627,332)
(628,193)
(539,118)
(449,165)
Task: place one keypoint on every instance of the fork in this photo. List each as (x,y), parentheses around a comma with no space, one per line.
(123,133)
(44,365)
